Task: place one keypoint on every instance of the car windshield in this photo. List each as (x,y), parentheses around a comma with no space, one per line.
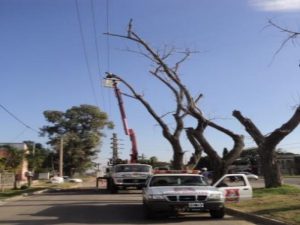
(132,168)
(178,181)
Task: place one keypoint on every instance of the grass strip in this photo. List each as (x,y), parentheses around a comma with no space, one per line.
(282,203)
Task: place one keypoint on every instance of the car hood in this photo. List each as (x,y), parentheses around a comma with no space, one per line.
(195,190)
(131,174)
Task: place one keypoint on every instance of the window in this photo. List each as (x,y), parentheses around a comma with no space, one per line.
(132,168)
(232,181)
(178,181)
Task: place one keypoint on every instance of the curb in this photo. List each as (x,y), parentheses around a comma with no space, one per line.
(35,192)
(18,197)
(254,218)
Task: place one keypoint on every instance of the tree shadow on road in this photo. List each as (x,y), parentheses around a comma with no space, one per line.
(101,213)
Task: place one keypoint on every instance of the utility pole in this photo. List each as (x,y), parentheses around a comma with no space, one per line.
(61,156)
(115,148)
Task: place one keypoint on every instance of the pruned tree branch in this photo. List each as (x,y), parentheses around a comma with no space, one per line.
(250,127)
(291,35)
(279,134)
(145,103)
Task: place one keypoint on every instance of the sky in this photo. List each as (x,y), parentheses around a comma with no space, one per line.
(54,55)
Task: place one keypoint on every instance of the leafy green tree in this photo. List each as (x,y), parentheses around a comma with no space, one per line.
(2,164)
(80,128)
(13,160)
(36,156)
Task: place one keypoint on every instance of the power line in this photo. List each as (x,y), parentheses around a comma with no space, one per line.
(95,35)
(108,50)
(85,52)
(16,118)
(97,47)
(107,36)
(19,135)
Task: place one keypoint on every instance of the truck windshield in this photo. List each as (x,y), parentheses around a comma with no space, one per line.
(178,181)
(132,168)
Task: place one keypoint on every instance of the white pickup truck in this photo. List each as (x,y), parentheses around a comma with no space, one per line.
(172,193)
(122,176)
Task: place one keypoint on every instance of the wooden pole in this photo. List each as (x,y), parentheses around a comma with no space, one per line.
(61,157)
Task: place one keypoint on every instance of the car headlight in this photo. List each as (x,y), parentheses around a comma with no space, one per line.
(118,180)
(214,196)
(155,197)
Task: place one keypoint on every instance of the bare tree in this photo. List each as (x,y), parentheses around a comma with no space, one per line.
(172,137)
(291,35)
(166,75)
(267,145)
(220,165)
(186,104)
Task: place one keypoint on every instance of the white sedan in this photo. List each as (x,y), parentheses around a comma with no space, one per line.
(250,176)
(75,180)
(56,180)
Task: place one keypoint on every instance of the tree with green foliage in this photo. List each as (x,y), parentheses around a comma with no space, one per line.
(36,156)
(81,129)
(13,160)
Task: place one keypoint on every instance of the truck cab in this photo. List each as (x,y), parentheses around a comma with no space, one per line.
(123,176)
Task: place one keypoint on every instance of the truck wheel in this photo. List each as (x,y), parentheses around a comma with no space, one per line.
(217,214)
(112,187)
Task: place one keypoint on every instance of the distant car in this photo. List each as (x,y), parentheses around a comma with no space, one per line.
(250,176)
(66,178)
(56,180)
(75,180)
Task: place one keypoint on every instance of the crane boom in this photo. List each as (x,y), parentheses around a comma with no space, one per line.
(121,107)
(128,131)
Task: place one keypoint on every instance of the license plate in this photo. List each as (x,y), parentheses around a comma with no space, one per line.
(196,205)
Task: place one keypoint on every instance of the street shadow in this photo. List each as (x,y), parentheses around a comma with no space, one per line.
(101,213)
(92,211)
(87,191)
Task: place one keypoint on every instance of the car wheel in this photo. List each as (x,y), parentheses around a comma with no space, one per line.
(148,213)
(217,214)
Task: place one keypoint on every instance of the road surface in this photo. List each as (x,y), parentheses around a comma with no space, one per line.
(89,206)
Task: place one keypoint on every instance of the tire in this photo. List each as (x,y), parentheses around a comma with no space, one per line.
(148,213)
(113,189)
(217,214)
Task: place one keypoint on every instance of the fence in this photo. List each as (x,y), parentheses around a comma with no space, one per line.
(6,180)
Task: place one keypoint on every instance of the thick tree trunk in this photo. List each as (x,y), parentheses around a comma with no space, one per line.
(178,160)
(267,145)
(219,169)
(177,155)
(195,159)
(16,180)
(220,166)
(270,168)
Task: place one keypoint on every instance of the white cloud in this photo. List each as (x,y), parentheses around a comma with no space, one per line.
(276,5)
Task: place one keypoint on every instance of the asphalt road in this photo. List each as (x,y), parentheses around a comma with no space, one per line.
(89,206)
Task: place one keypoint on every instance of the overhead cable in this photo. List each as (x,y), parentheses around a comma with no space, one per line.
(16,118)
(85,52)
(97,47)
(107,36)
(108,50)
